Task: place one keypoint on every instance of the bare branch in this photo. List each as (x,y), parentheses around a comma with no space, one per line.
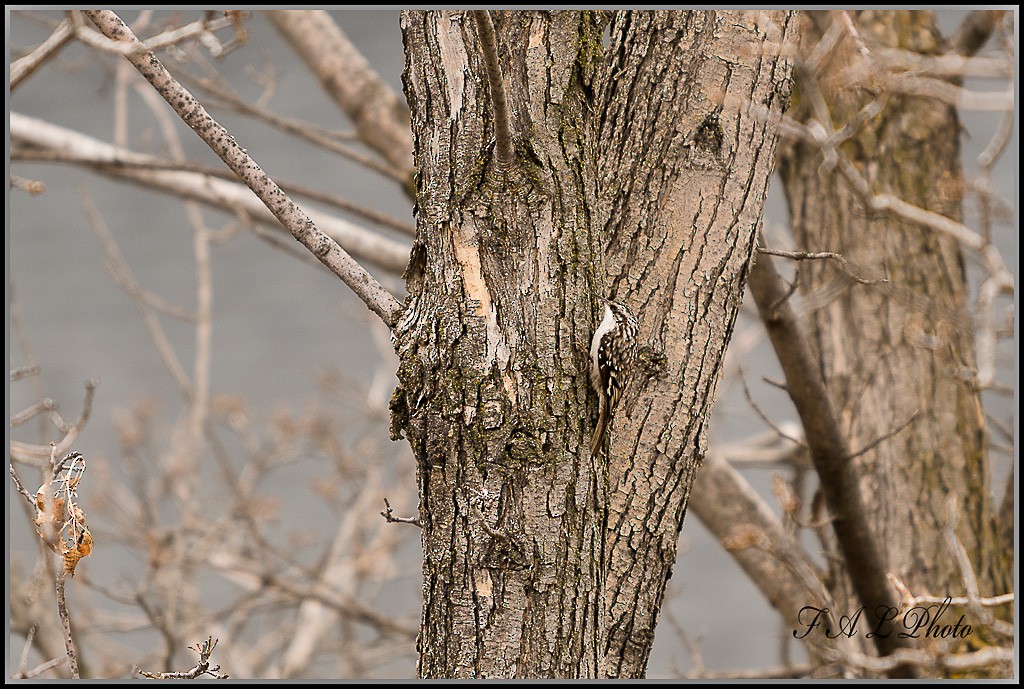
(205,650)
(40,669)
(380,115)
(749,530)
(32,454)
(23,68)
(805,256)
(942,90)
(948,65)
(232,197)
(388,514)
(373,294)
(989,602)
(23,672)
(496,86)
(19,485)
(23,371)
(819,131)
(963,561)
(202,29)
(887,203)
(125,167)
(31,412)
(65,621)
(829,449)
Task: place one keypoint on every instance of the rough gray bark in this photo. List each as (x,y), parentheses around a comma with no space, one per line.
(638,171)
(900,352)
(493,375)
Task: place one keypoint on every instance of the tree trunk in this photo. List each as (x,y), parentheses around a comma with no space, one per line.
(640,171)
(898,356)
(686,148)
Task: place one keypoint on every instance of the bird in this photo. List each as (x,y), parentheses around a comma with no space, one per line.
(612,355)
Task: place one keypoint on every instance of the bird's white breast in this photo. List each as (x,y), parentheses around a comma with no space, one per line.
(607,323)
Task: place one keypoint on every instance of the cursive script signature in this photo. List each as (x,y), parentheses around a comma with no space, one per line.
(918,621)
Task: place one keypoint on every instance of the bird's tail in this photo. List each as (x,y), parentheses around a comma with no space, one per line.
(602,425)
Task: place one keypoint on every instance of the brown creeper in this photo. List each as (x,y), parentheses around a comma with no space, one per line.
(612,353)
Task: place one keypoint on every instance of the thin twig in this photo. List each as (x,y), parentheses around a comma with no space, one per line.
(989,602)
(31,453)
(763,416)
(19,485)
(23,663)
(41,668)
(118,266)
(197,29)
(21,372)
(23,672)
(366,287)
(878,441)
(224,96)
(392,519)
(39,407)
(805,256)
(496,86)
(65,621)
(205,650)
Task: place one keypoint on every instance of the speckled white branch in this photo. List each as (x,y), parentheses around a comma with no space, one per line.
(366,287)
